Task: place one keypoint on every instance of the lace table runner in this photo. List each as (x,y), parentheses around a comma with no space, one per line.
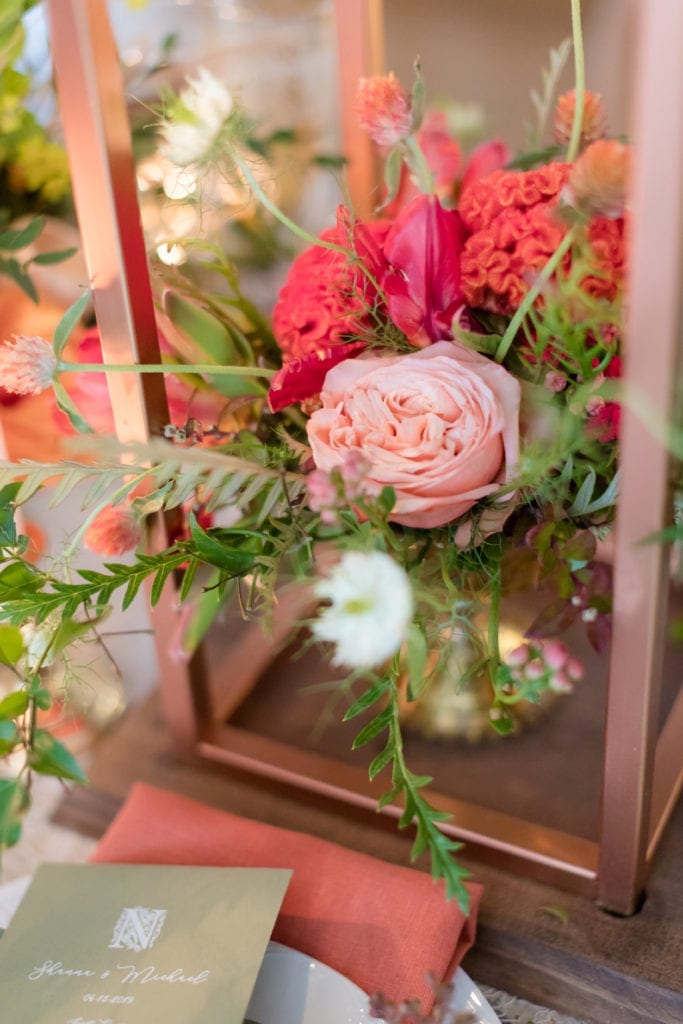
(517,1011)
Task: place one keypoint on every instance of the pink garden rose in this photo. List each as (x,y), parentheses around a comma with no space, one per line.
(440,426)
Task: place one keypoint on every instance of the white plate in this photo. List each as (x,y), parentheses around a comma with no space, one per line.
(295,989)
(292,988)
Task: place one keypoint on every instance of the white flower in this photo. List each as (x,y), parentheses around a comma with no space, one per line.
(205,107)
(27,365)
(370,611)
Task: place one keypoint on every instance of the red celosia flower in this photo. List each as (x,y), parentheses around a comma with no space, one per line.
(593,124)
(114,531)
(422,283)
(605,416)
(383,109)
(325,299)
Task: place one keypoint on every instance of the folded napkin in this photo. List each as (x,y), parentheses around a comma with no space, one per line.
(380,925)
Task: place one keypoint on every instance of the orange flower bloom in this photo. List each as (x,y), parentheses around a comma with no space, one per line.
(593,125)
(514,232)
(599,179)
(383,109)
(114,531)
(513,235)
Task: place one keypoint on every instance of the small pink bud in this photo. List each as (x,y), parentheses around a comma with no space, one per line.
(555,654)
(518,657)
(534,671)
(28,365)
(574,670)
(554,381)
(560,683)
(383,109)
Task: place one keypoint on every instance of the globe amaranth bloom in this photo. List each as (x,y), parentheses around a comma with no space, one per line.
(27,365)
(114,531)
(383,109)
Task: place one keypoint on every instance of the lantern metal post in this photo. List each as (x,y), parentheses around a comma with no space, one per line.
(360,45)
(98,139)
(640,578)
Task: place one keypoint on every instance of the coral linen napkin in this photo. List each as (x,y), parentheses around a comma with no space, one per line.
(380,925)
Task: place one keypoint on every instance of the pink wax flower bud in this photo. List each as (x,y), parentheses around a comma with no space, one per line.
(383,109)
(554,381)
(534,671)
(519,656)
(559,682)
(321,491)
(27,365)
(114,531)
(554,654)
(574,670)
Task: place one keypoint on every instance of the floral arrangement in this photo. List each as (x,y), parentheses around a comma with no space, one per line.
(429,425)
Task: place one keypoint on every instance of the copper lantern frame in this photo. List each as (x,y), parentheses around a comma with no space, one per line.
(643,766)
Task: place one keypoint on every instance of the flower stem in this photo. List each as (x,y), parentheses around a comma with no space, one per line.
(579,82)
(544,276)
(419,166)
(212,369)
(494,623)
(305,236)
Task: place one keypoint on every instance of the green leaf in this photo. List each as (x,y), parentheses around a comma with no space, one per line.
(9,737)
(382,760)
(68,407)
(366,700)
(235,561)
(582,500)
(10,241)
(50,757)
(11,44)
(14,704)
(392,175)
(556,911)
(416,659)
(373,728)
(11,644)
(66,325)
(46,259)
(8,531)
(11,268)
(14,801)
(202,327)
(16,580)
(417,97)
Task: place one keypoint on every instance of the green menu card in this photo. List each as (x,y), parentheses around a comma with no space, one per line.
(137,944)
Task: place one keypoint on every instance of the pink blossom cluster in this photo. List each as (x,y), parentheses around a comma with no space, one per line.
(546,663)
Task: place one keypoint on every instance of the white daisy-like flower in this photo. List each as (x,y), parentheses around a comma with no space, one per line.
(28,364)
(205,106)
(371,606)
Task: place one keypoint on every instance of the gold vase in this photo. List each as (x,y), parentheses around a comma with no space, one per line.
(455,703)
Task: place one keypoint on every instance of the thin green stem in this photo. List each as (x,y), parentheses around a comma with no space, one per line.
(211,369)
(544,276)
(494,623)
(419,166)
(292,226)
(579,82)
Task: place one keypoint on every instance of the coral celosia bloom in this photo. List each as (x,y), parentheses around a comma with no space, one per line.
(514,232)
(599,179)
(27,365)
(114,531)
(593,124)
(383,109)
